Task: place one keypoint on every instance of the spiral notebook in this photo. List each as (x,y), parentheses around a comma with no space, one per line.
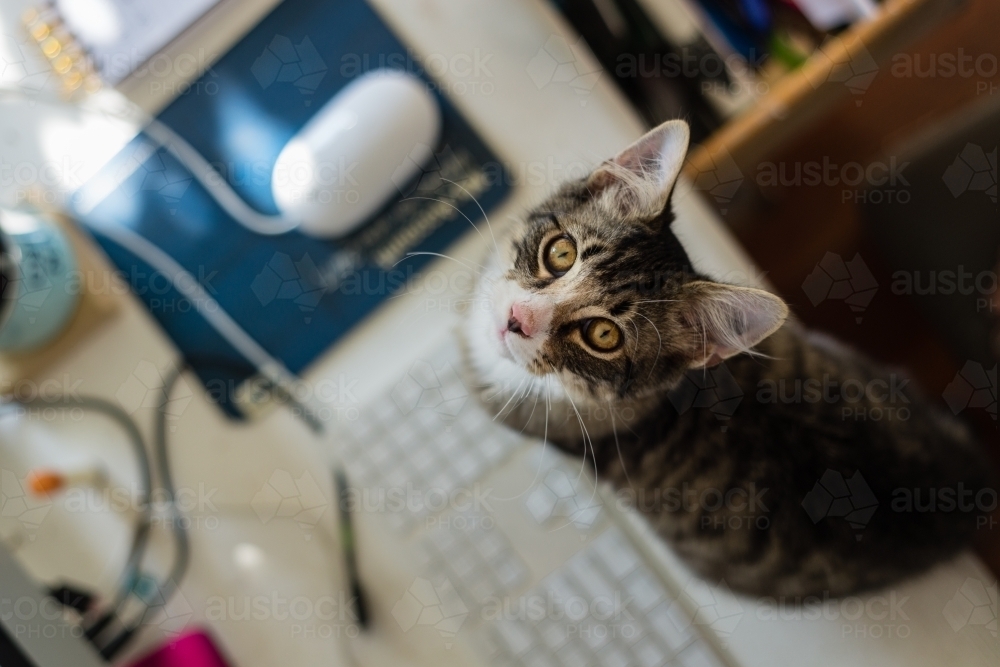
(90,43)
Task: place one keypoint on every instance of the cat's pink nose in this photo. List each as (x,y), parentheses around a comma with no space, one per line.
(523,320)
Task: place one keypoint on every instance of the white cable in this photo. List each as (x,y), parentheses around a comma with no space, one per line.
(212,180)
(186,154)
(269,367)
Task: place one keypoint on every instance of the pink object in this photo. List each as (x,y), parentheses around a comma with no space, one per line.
(194,648)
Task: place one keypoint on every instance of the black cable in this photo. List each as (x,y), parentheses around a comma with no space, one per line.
(140,536)
(182,557)
(182,545)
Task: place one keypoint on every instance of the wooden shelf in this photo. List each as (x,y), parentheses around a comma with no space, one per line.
(797,100)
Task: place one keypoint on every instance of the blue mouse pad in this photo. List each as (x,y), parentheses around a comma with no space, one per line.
(294,294)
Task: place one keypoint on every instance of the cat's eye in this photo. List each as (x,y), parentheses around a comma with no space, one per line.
(560,255)
(602,335)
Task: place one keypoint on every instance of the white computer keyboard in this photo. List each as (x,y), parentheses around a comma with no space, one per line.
(637,622)
(425,439)
(491,571)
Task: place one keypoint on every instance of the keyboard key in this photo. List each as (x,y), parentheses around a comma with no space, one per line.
(489,647)
(384,412)
(443,540)
(586,517)
(404,437)
(396,479)
(630,631)
(423,558)
(613,655)
(558,481)
(554,634)
(573,655)
(619,556)
(360,472)
(493,449)
(490,544)
(513,636)
(379,454)
(361,428)
(541,504)
(539,657)
(469,466)
(463,564)
(423,458)
(672,623)
(447,442)
(562,591)
(483,589)
(645,590)
(505,661)
(443,482)
(428,419)
(476,421)
(597,589)
(594,635)
(649,654)
(698,655)
(510,573)
(399,521)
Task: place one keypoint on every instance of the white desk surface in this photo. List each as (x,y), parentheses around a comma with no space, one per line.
(238,555)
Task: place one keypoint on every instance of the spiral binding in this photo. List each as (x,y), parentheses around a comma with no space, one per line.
(68,59)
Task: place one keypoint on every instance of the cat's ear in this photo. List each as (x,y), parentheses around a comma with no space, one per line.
(637,182)
(728,320)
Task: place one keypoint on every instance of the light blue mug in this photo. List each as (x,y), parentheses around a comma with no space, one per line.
(39,290)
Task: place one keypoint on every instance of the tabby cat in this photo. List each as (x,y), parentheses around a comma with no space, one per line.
(768,456)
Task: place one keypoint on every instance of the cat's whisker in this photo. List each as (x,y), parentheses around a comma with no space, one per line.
(522,395)
(704,350)
(509,400)
(527,391)
(532,413)
(545,432)
(756,355)
(464,263)
(439,254)
(500,391)
(408,292)
(468,302)
(548,407)
(481,210)
(467,218)
(583,460)
(636,346)
(621,459)
(526,422)
(587,441)
(658,349)
(545,429)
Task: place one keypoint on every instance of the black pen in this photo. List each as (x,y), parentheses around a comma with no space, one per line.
(347,544)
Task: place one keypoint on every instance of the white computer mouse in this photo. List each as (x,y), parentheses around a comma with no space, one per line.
(356,153)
